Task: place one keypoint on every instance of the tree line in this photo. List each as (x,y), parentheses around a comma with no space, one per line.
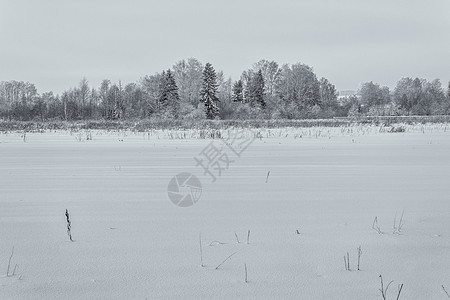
(191,90)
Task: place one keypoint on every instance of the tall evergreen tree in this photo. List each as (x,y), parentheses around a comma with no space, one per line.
(238,91)
(254,89)
(114,100)
(168,97)
(209,92)
(162,97)
(257,89)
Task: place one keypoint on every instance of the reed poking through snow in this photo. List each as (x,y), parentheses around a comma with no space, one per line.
(9,262)
(225,260)
(69,233)
(201,249)
(245,268)
(359,256)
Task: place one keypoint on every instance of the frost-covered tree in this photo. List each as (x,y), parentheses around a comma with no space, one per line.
(328,98)
(115,108)
(209,92)
(188,75)
(70,107)
(246,79)
(328,93)
(102,97)
(446,105)
(238,91)
(168,98)
(271,74)
(17,99)
(134,100)
(150,85)
(372,94)
(54,105)
(433,98)
(83,93)
(256,90)
(225,94)
(298,90)
(420,97)
(407,93)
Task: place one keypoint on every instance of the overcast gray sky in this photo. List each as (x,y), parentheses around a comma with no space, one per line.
(54,43)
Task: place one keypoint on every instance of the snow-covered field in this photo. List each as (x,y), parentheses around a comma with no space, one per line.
(132,242)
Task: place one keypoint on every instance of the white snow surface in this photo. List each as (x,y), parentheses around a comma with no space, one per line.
(131,242)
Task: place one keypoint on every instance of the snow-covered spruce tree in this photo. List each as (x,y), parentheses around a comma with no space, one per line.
(209,91)
(238,91)
(162,96)
(257,90)
(168,97)
(254,89)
